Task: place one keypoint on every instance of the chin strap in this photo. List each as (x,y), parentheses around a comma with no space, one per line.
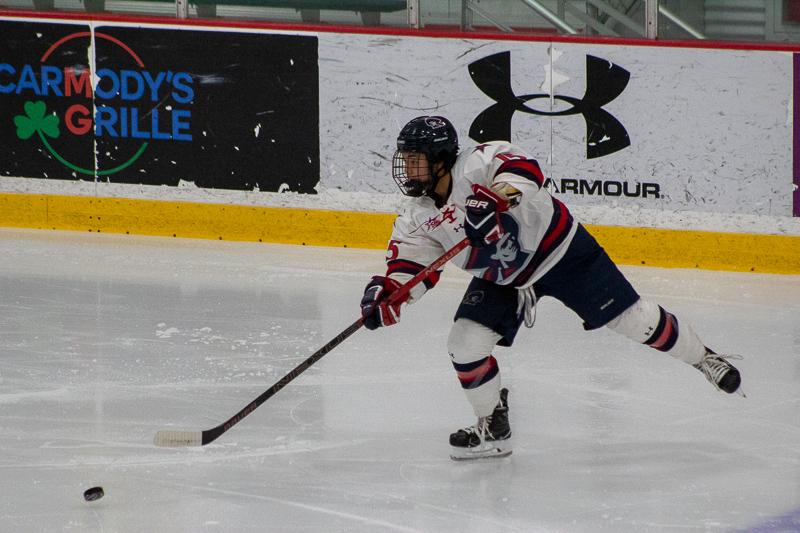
(437,199)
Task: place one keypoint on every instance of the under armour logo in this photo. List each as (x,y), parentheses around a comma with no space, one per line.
(604,82)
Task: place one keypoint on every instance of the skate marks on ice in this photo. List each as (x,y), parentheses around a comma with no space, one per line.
(107,339)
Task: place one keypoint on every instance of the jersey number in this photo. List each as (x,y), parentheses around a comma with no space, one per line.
(392,252)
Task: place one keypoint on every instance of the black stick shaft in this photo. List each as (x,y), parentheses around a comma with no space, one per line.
(210,435)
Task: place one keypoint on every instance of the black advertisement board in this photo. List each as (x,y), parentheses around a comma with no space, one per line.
(33,104)
(227,110)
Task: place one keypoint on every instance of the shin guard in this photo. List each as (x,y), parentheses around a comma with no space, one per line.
(470,346)
(648,323)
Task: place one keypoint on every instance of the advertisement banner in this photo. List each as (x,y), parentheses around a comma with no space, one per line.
(660,128)
(38,86)
(656,128)
(157,106)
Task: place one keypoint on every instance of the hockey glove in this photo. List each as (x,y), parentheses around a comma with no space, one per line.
(483,225)
(375,307)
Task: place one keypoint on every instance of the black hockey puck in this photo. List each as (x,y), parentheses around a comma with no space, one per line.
(92,494)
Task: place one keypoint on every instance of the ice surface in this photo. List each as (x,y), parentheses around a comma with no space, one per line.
(107,339)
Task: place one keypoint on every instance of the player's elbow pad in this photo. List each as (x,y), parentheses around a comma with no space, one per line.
(508,192)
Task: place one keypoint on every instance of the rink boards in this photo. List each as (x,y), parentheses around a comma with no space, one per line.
(632,246)
(268,133)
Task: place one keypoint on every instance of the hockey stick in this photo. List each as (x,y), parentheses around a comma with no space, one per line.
(169,438)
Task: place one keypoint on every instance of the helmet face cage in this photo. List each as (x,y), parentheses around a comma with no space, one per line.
(407,186)
(430,135)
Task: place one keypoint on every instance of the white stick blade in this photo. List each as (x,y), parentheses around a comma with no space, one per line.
(176,439)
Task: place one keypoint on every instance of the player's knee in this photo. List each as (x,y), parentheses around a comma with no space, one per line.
(639,321)
(470,345)
(470,341)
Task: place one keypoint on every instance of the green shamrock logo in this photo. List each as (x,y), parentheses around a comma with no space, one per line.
(34,120)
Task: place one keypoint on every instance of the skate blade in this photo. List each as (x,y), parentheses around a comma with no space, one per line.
(491,453)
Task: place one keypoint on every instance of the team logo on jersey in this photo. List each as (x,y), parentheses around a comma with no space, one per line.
(473,298)
(604,82)
(447,214)
(501,261)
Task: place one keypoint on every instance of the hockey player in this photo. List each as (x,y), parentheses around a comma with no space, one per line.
(524,245)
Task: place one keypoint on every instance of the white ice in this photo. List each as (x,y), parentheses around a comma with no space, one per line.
(107,339)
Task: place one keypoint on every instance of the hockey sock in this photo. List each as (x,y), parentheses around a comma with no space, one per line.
(650,324)
(470,345)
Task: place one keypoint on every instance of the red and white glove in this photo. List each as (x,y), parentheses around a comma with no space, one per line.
(483,224)
(375,307)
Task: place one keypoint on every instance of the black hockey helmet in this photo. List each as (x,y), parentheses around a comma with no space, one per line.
(433,136)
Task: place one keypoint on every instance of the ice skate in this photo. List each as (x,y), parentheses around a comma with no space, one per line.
(723,375)
(489,437)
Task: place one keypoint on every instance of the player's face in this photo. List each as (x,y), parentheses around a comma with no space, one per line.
(417,168)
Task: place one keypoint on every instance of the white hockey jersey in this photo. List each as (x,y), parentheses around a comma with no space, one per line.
(537,231)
